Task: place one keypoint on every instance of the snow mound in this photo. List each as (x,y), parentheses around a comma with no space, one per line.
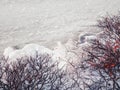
(58,54)
(62,53)
(29,50)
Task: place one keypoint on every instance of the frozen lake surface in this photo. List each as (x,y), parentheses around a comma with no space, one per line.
(47,21)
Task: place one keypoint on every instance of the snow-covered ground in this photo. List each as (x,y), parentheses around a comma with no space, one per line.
(47,21)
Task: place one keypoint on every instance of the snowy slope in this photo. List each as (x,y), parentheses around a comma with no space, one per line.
(47,21)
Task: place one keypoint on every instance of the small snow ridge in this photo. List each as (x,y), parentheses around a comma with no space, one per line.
(62,53)
(32,50)
(29,50)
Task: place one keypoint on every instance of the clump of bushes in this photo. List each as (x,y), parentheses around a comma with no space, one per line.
(104,53)
(34,74)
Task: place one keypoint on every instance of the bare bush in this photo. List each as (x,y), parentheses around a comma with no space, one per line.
(104,54)
(34,74)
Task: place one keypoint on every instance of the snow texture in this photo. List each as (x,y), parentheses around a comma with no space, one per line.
(29,50)
(47,21)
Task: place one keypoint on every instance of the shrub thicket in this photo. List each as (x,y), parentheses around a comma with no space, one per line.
(104,53)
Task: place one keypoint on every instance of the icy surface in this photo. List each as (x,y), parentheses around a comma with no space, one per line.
(47,21)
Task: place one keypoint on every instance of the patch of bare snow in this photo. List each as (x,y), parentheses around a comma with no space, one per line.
(47,21)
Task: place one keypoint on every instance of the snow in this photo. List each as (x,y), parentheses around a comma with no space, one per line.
(60,53)
(46,21)
(29,50)
(60,50)
(7,52)
(36,49)
(90,38)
